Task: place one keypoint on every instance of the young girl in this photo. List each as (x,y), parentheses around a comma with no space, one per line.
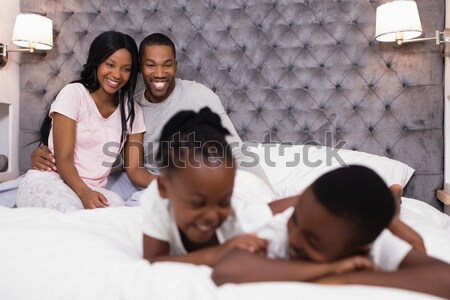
(191,213)
(90,120)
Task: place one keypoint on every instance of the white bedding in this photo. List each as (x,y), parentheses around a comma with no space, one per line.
(96,254)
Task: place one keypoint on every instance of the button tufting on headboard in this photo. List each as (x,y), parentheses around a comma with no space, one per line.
(284,70)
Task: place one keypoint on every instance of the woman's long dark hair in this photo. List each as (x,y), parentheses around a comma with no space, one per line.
(103,46)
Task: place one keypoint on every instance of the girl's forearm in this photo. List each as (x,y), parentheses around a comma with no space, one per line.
(208,256)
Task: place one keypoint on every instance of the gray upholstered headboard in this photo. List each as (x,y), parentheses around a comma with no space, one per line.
(299,70)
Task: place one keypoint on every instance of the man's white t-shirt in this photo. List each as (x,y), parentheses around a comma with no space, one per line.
(190,95)
(387,251)
(249,212)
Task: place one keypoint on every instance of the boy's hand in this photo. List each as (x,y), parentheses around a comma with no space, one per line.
(353,263)
(42,159)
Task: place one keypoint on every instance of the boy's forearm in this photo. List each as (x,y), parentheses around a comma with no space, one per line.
(406,233)
(240,267)
(430,279)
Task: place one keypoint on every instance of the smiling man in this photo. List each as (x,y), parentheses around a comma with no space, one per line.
(165,95)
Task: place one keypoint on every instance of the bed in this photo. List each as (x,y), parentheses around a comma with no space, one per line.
(302,72)
(298,71)
(97,254)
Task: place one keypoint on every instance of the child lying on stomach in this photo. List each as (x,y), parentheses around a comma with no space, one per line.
(336,234)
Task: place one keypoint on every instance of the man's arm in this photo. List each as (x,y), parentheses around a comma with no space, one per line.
(42,159)
(134,161)
(417,272)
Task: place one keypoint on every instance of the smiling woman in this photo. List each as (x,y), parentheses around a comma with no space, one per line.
(113,73)
(87,114)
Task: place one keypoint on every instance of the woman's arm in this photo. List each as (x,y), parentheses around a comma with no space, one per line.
(64,143)
(157,250)
(134,161)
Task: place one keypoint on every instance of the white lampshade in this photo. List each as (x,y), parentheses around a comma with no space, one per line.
(397,18)
(33,31)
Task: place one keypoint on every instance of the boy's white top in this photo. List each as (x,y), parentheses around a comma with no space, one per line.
(249,212)
(187,95)
(387,251)
(97,138)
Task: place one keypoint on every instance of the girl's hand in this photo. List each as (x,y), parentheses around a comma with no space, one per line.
(249,243)
(93,199)
(352,263)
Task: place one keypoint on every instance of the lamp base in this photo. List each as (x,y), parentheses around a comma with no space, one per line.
(445,50)
(3,55)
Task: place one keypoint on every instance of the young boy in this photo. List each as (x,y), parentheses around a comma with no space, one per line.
(343,214)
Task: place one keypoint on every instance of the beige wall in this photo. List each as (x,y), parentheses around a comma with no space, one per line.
(9,95)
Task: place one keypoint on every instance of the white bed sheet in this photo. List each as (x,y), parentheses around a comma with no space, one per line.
(96,254)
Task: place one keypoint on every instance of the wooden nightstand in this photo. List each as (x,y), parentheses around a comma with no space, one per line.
(9,140)
(444,197)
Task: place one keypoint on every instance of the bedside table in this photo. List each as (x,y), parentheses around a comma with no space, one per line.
(444,197)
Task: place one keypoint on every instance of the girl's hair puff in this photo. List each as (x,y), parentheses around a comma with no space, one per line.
(193,138)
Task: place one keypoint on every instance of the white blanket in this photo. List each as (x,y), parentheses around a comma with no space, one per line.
(96,254)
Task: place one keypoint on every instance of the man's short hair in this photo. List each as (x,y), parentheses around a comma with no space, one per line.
(157,39)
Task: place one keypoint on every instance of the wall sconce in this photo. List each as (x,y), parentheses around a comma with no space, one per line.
(31,32)
(399,21)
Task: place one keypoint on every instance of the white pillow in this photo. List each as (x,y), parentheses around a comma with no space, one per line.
(292,168)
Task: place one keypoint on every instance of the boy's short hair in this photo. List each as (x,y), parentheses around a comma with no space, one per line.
(358,194)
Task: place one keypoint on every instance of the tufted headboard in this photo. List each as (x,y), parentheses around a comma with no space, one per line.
(285,70)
